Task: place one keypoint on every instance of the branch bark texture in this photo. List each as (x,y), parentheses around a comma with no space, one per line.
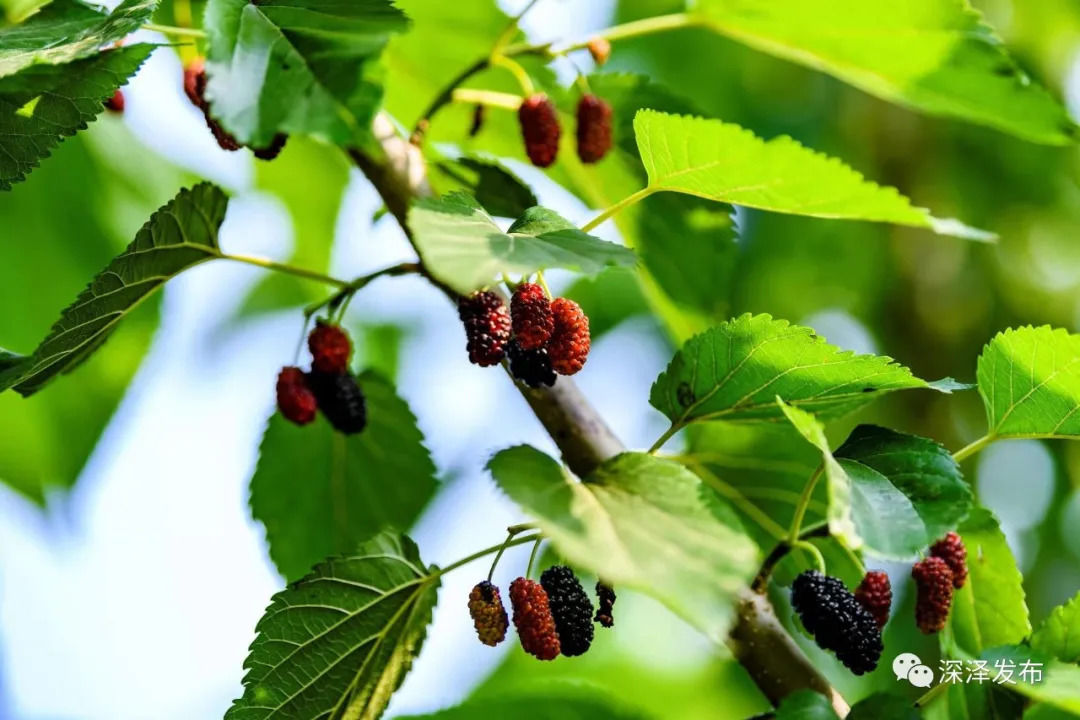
(758,640)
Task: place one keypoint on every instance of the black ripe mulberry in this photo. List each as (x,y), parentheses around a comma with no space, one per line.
(532,367)
(540,129)
(488,613)
(934,581)
(294,398)
(330,348)
(115,102)
(487,327)
(951,549)
(837,621)
(569,344)
(272,150)
(593,128)
(533,620)
(875,594)
(571,608)
(340,399)
(605,600)
(530,316)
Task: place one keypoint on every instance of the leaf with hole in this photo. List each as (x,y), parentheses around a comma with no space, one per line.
(720,161)
(735,372)
(337,643)
(463,247)
(66,30)
(1029,379)
(640,522)
(43,104)
(297,66)
(320,493)
(178,236)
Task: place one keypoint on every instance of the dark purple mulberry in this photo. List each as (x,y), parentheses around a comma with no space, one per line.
(487,327)
(532,367)
(340,399)
(571,608)
(837,621)
(605,600)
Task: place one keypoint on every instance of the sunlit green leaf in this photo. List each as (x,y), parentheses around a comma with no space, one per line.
(463,247)
(932,55)
(297,66)
(724,162)
(66,30)
(1059,634)
(1029,379)
(43,104)
(990,609)
(320,493)
(736,370)
(338,643)
(178,236)
(638,521)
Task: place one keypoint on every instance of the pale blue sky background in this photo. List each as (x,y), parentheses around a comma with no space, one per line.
(136,596)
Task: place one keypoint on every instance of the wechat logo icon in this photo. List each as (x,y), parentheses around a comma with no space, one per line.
(908,666)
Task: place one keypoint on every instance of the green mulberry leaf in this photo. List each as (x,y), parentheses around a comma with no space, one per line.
(1059,635)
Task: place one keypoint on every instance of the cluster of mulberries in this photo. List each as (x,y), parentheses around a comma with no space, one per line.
(552,617)
(951,549)
(837,621)
(549,336)
(540,129)
(195,89)
(329,387)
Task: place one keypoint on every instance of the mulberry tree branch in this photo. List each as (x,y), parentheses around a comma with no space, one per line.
(758,640)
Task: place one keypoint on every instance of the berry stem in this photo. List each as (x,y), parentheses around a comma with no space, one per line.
(172,30)
(819,559)
(526,83)
(804,501)
(486,551)
(972,448)
(349,288)
(617,207)
(489,98)
(543,283)
(532,556)
(510,533)
(285,268)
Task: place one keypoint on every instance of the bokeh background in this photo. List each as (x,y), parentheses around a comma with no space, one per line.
(131,573)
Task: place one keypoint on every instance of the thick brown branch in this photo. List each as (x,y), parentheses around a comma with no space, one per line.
(758,639)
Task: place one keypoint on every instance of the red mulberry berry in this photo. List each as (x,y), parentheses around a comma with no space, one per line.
(330,348)
(116,102)
(272,150)
(533,620)
(532,367)
(605,597)
(195,89)
(934,580)
(530,313)
(340,399)
(294,398)
(600,49)
(837,621)
(488,613)
(951,549)
(487,327)
(569,344)
(571,608)
(875,594)
(593,128)
(540,128)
